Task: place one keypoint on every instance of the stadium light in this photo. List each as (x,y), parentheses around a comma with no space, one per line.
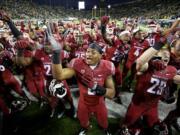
(81,5)
(108,10)
(95,7)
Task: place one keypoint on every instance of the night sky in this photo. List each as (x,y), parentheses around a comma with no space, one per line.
(74,3)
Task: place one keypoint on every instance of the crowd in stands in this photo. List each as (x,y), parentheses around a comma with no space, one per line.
(24,9)
(148,9)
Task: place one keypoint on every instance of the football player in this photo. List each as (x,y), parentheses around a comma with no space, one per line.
(171,119)
(94,77)
(153,81)
(115,52)
(45,55)
(138,46)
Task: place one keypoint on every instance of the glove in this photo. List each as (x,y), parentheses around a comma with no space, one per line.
(87,80)
(22,44)
(104,20)
(56,47)
(160,43)
(99,90)
(5,54)
(4,16)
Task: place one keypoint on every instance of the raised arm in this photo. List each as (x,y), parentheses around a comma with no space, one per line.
(58,71)
(149,53)
(104,22)
(4,16)
(172,28)
(176,79)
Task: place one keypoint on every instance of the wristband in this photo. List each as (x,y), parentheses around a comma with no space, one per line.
(103,29)
(14,30)
(56,57)
(157,46)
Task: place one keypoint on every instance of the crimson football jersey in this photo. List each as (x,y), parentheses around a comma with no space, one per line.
(152,38)
(152,85)
(99,75)
(174,61)
(47,61)
(136,50)
(80,52)
(116,52)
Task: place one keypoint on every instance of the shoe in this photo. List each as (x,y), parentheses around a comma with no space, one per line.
(169,100)
(41,105)
(117,100)
(60,115)
(176,126)
(82,131)
(123,131)
(160,129)
(52,113)
(106,132)
(71,112)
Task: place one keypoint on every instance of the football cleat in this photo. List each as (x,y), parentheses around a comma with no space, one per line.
(160,129)
(60,115)
(106,132)
(176,125)
(82,131)
(123,131)
(52,113)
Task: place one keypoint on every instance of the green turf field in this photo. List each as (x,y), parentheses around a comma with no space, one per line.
(36,121)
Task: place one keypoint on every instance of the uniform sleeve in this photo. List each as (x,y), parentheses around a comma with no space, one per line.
(172,71)
(110,68)
(72,63)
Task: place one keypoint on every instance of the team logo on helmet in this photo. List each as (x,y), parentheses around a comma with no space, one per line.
(57,89)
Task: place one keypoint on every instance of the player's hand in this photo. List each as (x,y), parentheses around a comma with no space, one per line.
(160,43)
(55,45)
(4,16)
(87,80)
(22,44)
(104,20)
(5,54)
(99,90)
(157,64)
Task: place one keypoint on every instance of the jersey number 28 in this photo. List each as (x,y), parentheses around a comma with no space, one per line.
(157,87)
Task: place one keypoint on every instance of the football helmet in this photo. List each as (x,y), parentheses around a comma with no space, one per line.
(57,89)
